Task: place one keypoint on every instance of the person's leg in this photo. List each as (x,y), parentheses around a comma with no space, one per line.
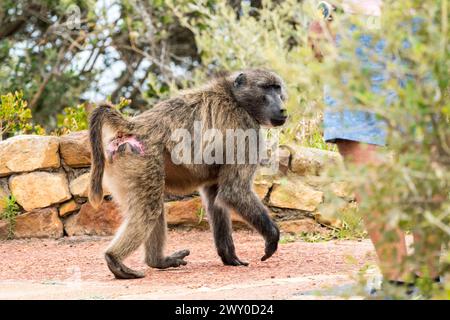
(391,254)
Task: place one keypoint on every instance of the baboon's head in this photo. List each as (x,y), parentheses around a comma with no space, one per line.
(262,94)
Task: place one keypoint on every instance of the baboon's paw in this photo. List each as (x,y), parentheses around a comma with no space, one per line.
(271,244)
(180,254)
(120,270)
(229,258)
(271,248)
(233,261)
(170,262)
(173,261)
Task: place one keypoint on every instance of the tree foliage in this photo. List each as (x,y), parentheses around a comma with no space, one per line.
(63,53)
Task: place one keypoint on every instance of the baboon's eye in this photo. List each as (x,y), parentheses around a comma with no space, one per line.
(276,87)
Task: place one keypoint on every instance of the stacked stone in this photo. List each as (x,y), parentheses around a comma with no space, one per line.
(49,178)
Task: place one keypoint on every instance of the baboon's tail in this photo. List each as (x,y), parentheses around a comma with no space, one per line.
(105,113)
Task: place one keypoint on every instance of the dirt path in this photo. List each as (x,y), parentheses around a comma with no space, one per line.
(73,268)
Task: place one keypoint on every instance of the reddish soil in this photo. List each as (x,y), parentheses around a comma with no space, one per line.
(31,264)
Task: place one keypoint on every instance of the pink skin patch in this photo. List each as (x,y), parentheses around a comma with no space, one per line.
(134,145)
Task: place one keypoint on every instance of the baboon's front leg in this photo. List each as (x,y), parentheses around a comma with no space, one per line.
(235,191)
(249,207)
(154,248)
(220,222)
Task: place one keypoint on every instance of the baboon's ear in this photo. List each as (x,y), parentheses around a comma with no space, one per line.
(239,81)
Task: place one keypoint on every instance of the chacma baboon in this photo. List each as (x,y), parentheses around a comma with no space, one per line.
(134,156)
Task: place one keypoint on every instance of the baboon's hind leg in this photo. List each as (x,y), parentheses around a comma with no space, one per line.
(221,227)
(128,238)
(154,248)
(143,205)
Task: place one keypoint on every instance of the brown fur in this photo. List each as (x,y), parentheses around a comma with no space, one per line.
(238,101)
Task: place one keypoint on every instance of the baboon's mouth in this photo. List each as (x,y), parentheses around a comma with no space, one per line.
(278,121)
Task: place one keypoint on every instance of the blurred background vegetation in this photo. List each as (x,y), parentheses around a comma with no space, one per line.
(59,57)
(63,55)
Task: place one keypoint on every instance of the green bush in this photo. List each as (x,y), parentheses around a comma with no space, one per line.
(9,214)
(76,118)
(72,119)
(15,116)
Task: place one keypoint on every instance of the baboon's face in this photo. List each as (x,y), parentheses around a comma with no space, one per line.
(262,94)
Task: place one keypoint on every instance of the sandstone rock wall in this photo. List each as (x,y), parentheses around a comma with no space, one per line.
(49,178)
